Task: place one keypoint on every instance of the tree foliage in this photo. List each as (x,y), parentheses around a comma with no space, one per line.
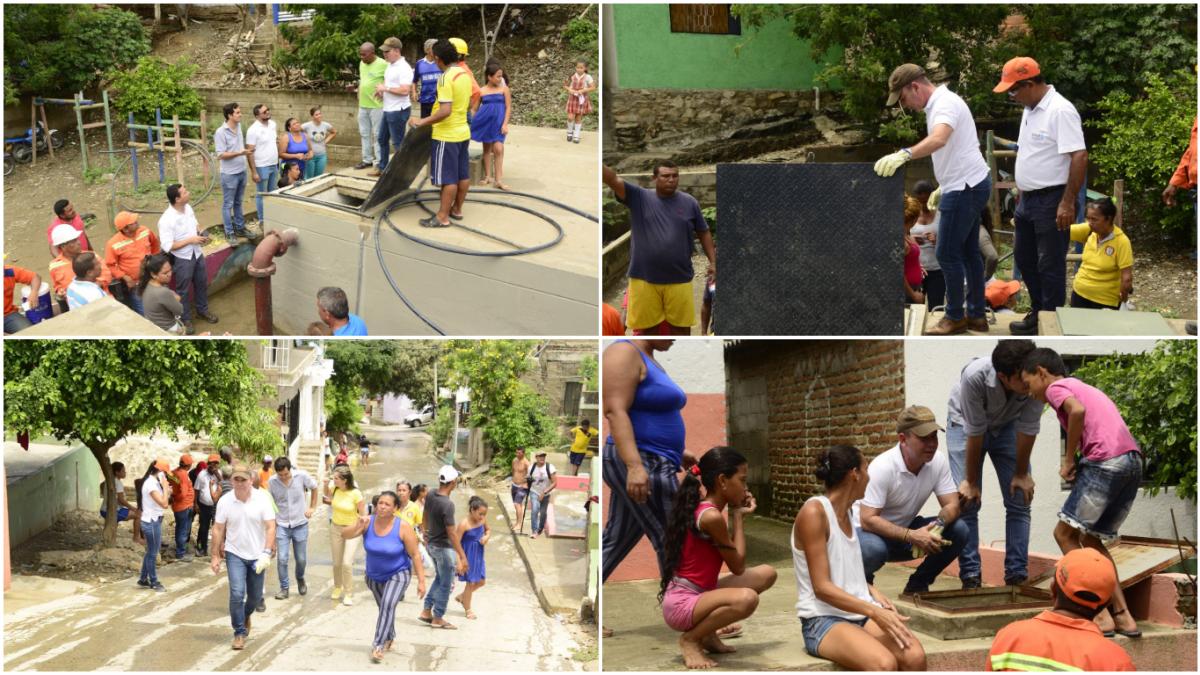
(582,33)
(401,367)
(55,49)
(1143,138)
(1156,394)
(589,372)
(97,392)
(155,84)
(342,410)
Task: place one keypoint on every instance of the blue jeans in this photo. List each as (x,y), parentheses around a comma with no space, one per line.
(1001,446)
(233,190)
(1103,494)
(1040,249)
(16,322)
(438,596)
(153,533)
(268,179)
(245,590)
(538,515)
(958,248)
(183,531)
(315,166)
(298,536)
(191,282)
(876,551)
(816,628)
(391,133)
(369,121)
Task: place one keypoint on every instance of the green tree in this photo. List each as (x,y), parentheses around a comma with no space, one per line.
(60,49)
(342,410)
(1156,394)
(97,392)
(1143,139)
(401,367)
(589,371)
(155,84)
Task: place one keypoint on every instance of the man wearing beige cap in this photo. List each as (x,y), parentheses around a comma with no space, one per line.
(1051,165)
(244,533)
(965,185)
(397,102)
(890,526)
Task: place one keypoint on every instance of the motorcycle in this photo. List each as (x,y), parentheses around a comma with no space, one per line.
(21,147)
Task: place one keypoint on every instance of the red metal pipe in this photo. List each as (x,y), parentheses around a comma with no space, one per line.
(262,268)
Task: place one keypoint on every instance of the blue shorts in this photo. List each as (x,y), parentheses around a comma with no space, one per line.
(576,457)
(122,513)
(449,162)
(519,494)
(816,628)
(1103,494)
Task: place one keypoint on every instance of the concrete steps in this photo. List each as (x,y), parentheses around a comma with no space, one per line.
(308,457)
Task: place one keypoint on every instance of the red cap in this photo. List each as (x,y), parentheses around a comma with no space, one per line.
(186,459)
(1020,68)
(1086,577)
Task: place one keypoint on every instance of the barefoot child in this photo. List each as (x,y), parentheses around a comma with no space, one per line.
(843,618)
(489,124)
(1106,476)
(578,102)
(698,541)
(475,533)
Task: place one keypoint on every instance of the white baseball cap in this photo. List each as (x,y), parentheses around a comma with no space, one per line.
(62,234)
(447,474)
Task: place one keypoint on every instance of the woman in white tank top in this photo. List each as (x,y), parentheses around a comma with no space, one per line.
(844,619)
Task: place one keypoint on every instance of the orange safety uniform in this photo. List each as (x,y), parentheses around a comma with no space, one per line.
(62,274)
(183,495)
(476,96)
(1054,642)
(264,475)
(123,255)
(1185,175)
(14,275)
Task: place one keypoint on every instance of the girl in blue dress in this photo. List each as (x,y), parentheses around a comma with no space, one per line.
(475,533)
(489,124)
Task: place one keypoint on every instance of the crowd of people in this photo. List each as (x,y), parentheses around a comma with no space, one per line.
(870,513)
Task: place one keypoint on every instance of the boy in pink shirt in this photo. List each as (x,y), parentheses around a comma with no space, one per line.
(1107,474)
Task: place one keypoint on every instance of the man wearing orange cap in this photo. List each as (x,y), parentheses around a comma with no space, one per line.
(208,491)
(123,256)
(183,500)
(1051,166)
(1065,638)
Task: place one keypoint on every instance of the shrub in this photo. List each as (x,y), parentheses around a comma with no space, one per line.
(156,84)
(582,34)
(442,425)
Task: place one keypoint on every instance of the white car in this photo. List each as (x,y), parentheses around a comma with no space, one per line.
(420,418)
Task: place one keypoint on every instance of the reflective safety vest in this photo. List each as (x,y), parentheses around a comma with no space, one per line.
(1052,642)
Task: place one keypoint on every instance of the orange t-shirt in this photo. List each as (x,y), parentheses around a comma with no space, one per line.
(1050,641)
(123,255)
(14,275)
(183,495)
(62,274)
(1185,173)
(611,321)
(475,95)
(263,476)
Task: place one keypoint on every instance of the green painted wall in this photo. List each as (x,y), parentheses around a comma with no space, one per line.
(70,482)
(650,56)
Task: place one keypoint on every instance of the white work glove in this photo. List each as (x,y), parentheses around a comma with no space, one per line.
(934,198)
(264,561)
(888,164)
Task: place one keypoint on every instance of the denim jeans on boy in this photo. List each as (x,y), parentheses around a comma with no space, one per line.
(876,551)
(245,590)
(183,531)
(438,597)
(152,531)
(1001,446)
(538,515)
(958,248)
(268,179)
(391,132)
(298,537)
(233,190)
(369,121)
(1040,249)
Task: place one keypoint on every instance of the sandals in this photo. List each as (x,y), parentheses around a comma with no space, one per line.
(432,221)
(730,631)
(471,614)
(376,656)
(502,186)
(456,216)
(425,620)
(445,625)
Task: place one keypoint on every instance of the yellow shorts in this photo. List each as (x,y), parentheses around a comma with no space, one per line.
(651,304)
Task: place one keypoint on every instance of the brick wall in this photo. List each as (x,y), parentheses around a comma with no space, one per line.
(789,400)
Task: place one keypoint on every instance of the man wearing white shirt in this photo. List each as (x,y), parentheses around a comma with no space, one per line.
(178,231)
(1051,165)
(397,102)
(244,533)
(263,139)
(964,187)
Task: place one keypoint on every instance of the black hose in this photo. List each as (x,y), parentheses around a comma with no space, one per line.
(395,286)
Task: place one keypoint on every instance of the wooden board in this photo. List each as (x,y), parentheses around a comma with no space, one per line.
(1136,558)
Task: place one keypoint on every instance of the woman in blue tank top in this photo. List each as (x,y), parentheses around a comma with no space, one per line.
(392,555)
(294,145)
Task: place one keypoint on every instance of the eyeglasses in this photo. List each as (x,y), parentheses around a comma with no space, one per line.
(1012,91)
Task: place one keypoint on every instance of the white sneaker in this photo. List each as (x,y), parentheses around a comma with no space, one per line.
(346,600)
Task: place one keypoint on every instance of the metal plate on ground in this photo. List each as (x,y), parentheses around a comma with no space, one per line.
(1136,558)
(402,168)
(975,613)
(809,249)
(1076,321)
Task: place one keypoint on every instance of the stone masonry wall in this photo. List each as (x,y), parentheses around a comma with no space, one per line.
(789,400)
(643,118)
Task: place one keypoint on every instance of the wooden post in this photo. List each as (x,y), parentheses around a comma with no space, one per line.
(82,137)
(112,157)
(162,175)
(204,141)
(133,162)
(1119,198)
(994,174)
(46,128)
(32,117)
(178,150)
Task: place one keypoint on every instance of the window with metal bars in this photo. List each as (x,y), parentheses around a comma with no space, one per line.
(711,19)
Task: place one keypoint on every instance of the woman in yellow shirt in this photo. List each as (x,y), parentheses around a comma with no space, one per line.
(1105,278)
(348,504)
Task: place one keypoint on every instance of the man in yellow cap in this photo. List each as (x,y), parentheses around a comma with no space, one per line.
(460,45)
(123,256)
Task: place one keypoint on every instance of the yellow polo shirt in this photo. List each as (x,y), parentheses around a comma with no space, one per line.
(1099,277)
(454,87)
(580,444)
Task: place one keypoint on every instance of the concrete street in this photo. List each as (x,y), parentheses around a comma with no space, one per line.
(63,626)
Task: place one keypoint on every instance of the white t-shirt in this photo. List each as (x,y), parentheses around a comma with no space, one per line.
(897,493)
(265,141)
(151,511)
(928,249)
(245,523)
(959,163)
(1050,131)
(397,74)
(173,226)
(204,488)
(80,293)
(541,477)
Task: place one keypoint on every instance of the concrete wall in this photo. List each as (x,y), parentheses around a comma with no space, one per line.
(931,367)
(697,366)
(52,481)
(789,400)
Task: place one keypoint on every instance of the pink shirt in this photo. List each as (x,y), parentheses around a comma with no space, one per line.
(912,265)
(1104,432)
(77,223)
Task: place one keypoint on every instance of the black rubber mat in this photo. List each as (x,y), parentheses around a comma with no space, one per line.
(809,249)
(402,168)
